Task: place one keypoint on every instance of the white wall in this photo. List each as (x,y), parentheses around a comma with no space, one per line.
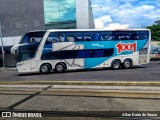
(10,41)
(84,15)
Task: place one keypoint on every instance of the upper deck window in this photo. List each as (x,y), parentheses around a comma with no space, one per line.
(53,37)
(91,36)
(123,35)
(107,36)
(144,35)
(32,37)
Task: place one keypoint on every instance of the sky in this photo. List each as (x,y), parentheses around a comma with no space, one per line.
(121,14)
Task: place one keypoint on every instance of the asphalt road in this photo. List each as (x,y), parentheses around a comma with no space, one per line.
(149,72)
(81,101)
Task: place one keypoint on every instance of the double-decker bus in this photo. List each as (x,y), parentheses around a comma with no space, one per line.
(61,50)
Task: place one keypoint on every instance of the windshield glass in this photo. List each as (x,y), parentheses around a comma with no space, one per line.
(26,52)
(33,37)
(29,50)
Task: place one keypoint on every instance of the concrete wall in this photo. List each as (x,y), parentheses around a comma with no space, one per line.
(84,15)
(18,17)
(21,16)
(10,60)
(10,41)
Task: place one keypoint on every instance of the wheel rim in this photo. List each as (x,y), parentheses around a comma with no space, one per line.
(115,65)
(127,64)
(44,69)
(59,68)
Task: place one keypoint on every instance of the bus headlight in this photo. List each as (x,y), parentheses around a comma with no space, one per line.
(20,64)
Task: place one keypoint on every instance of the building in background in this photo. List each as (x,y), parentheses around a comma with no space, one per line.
(60,14)
(20,16)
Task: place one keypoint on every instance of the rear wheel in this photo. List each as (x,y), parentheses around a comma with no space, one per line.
(60,67)
(115,64)
(127,63)
(45,68)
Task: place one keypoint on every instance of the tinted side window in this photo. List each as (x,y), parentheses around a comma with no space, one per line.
(62,37)
(91,36)
(53,37)
(75,54)
(107,36)
(70,37)
(134,36)
(79,36)
(143,35)
(74,36)
(125,35)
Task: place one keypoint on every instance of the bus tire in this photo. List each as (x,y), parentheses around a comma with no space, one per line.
(115,64)
(127,63)
(45,68)
(60,67)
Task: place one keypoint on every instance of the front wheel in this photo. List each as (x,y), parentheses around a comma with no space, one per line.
(45,68)
(60,67)
(115,64)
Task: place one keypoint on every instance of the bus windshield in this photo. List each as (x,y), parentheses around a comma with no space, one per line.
(29,50)
(25,52)
(32,37)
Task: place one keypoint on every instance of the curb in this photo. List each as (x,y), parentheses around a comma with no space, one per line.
(93,83)
(8,69)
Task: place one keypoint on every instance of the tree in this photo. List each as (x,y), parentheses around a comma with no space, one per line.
(155,31)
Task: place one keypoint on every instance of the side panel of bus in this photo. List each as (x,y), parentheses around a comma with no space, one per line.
(89,53)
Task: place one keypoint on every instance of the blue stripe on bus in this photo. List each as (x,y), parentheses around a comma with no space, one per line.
(93,62)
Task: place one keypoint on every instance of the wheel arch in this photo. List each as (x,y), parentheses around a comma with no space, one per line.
(116,59)
(130,59)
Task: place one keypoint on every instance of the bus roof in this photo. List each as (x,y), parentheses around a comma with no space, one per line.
(81,30)
(37,31)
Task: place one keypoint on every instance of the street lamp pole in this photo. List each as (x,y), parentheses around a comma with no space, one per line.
(2,44)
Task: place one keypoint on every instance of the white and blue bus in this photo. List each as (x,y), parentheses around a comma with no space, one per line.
(61,50)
